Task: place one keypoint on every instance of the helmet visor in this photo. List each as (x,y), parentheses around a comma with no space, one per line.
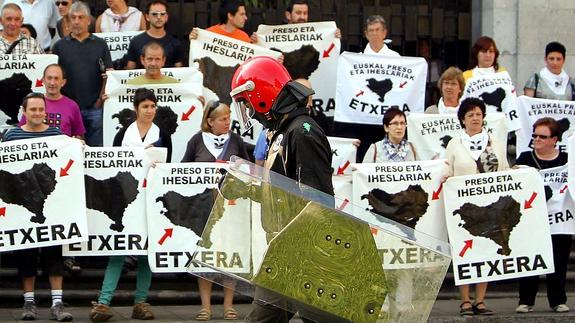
(245,114)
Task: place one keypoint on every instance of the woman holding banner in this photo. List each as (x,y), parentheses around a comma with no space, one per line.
(450,84)
(551,82)
(483,60)
(546,134)
(394,147)
(141,133)
(474,152)
(215,142)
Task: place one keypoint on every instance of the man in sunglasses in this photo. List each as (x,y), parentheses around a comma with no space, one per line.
(157,17)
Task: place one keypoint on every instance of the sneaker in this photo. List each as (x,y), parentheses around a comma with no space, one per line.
(141,311)
(561,308)
(57,313)
(28,311)
(522,308)
(100,312)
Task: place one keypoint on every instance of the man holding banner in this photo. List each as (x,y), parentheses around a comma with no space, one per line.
(34,109)
(153,60)
(375,31)
(157,18)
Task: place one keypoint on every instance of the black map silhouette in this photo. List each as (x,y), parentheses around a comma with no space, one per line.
(405,207)
(548,192)
(29,189)
(494,98)
(191,212)
(494,221)
(380,87)
(217,78)
(564,125)
(302,62)
(445,140)
(111,196)
(12,91)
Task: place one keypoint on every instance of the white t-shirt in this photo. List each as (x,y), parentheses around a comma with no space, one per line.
(384,51)
(42,14)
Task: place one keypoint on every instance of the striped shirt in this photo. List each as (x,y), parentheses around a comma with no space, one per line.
(27,45)
(19,133)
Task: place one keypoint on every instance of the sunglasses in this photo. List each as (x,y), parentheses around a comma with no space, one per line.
(211,106)
(158,13)
(63,3)
(535,136)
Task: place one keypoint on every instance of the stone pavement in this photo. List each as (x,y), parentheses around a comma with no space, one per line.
(443,311)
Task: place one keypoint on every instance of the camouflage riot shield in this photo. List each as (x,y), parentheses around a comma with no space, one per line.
(309,257)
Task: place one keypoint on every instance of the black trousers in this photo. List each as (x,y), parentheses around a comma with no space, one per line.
(529,286)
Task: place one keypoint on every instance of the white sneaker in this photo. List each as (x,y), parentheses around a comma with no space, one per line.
(561,308)
(522,308)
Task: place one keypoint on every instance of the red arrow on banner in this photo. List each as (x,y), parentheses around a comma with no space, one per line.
(39,83)
(435,195)
(3,211)
(402,85)
(373,230)
(341,169)
(186,115)
(232,202)
(329,49)
(563,189)
(513,91)
(359,93)
(64,171)
(167,233)
(343,204)
(528,203)
(145,183)
(468,245)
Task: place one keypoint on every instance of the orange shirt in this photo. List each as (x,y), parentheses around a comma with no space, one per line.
(236,34)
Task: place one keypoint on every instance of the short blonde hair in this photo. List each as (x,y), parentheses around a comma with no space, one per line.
(213,110)
(452,73)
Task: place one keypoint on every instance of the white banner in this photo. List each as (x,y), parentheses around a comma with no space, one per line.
(368,85)
(189,75)
(118,42)
(531,109)
(430,133)
(498,93)
(310,49)
(115,180)
(179,202)
(343,190)
(343,153)
(560,206)
(408,193)
(498,227)
(42,198)
(181,119)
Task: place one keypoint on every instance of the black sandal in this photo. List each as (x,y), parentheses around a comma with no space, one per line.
(467,311)
(481,311)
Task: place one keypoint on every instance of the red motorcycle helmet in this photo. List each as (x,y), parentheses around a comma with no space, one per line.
(255,87)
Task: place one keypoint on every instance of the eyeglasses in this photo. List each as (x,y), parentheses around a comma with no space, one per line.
(63,3)
(397,124)
(158,13)
(535,136)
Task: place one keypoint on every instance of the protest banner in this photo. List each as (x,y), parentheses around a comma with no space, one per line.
(430,133)
(498,226)
(368,85)
(310,51)
(37,178)
(217,58)
(189,75)
(179,198)
(118,42)
(560,206)
(178,115)
(532,109)
(343,152)
(498,93)
(115,179)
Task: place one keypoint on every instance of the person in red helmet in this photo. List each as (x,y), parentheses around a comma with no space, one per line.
(263,91)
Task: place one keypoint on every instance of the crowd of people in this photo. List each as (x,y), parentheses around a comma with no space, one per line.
(75,94)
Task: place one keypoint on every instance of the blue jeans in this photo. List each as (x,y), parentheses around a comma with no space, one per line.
(94,129)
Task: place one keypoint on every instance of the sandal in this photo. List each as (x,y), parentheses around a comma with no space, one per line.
(204,315)
(466,311)
(230,314)
(481,311)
